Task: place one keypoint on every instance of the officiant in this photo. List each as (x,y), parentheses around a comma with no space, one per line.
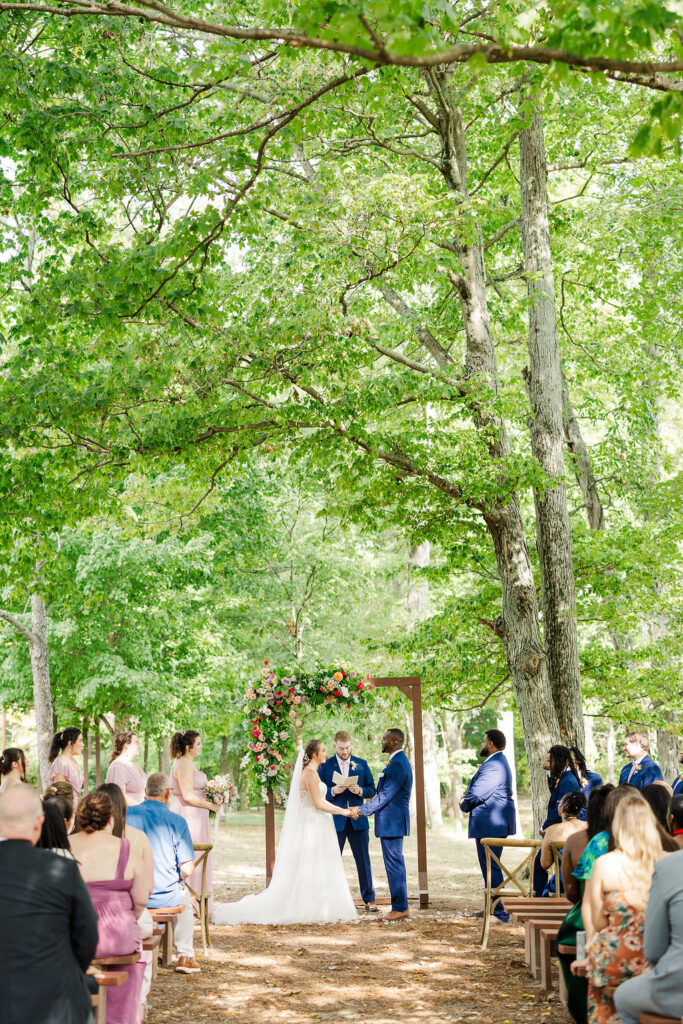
(357,831)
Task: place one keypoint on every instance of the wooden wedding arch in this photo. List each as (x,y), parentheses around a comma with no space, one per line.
(411,687)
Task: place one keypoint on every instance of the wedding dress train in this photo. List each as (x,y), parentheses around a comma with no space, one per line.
(309,884)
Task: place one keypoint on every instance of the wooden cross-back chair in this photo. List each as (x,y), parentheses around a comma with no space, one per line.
(514,877)
(203,896)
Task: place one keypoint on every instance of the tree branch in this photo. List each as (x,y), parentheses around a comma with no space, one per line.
(19,626)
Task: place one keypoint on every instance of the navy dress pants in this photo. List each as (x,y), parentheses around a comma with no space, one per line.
(359,841)
(392,851)
(496,874)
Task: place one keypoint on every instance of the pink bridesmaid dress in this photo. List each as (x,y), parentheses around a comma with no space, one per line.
(71,772)
(119,934)
(197,819)
(130,778)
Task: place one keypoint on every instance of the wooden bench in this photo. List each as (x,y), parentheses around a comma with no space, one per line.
(165,916)
(541,917)
(107,976)
(655,1018)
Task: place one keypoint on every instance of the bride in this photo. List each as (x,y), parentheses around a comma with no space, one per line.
(309,883)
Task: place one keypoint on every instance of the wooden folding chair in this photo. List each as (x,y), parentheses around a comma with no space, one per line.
(492,897)
(203,896)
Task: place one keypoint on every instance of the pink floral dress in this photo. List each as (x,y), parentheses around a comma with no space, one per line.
(614,954)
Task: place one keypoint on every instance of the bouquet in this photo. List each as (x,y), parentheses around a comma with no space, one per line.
(220,791)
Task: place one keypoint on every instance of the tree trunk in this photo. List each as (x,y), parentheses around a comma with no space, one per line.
(544,382)
(667,754)
(224,755)
(611,751)
(42,695)
(431,771)
(145,756)
(518,624)
(581,464)
(452,741)
(165,756)
(590,751)
(506,724)
(86,757)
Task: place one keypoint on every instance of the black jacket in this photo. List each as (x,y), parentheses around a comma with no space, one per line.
(48,936)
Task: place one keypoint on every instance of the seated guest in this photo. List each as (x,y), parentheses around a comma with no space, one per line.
(677,784)
(119,889)
(616,897)
(140,847)
(49,925)
(562,779)
(124,771)
(659,990)
(675,820)
(12,768)
(570,808)
(491,808)
(173,853)
(589,780)
(577,842)
(61,795)
(65,748)
(657,796)
(641,769)
(53,835)
(601,809)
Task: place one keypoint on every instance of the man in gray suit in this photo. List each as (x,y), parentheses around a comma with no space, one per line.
(659,990)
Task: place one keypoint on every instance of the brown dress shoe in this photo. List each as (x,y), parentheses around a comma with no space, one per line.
(187,965)
(396,915)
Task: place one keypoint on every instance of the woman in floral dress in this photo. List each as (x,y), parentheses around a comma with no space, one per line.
(614,906)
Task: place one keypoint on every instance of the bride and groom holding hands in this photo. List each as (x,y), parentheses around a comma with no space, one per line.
(309,883)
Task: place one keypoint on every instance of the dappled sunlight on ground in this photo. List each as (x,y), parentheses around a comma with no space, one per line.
(429,968)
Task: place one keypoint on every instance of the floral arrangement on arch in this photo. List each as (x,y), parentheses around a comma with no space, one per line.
(272,706)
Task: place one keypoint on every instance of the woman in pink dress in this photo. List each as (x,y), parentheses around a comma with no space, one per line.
(12,768)
(187,783)
(119,887)
(66,746)
(123,771)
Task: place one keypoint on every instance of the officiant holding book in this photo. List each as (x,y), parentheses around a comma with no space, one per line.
(349,781)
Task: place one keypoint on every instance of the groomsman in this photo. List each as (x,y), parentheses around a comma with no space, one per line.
(642,770)
(391,808)
(490,805)
(356,830)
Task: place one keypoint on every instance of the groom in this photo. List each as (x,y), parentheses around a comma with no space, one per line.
(356,831)
(392,822)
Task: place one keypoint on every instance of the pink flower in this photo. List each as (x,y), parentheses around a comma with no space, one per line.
(292,713)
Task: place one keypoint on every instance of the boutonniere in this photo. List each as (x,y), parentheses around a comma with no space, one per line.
(639,767)
(583,780)
(354,766)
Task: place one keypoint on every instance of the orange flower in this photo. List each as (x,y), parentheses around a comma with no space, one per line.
(338,677)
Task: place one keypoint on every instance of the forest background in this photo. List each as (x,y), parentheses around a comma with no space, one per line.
(343,331)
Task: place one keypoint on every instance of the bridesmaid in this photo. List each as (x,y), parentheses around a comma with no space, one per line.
(119,885)
(187,783)
(66,746)
(123,771)
(12,768)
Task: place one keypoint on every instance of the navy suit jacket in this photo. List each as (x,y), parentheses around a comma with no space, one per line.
(488,799)
(565,784)
(677,785)
(649,772)
(347,799)
(391,806)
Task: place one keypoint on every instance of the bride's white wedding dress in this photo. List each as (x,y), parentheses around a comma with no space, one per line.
(309,884)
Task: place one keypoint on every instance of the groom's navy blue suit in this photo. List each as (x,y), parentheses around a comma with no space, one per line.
(391,808)
(357,831)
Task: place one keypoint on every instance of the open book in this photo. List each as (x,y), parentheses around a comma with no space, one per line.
(345,781)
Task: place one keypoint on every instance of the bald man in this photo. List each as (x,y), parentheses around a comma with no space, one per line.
(49,928)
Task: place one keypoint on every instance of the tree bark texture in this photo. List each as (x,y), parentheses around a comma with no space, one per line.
(518,624)
(545,387)
(667,754)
